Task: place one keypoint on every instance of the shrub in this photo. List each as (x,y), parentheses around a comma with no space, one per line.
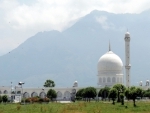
(41,100)
(28,100)
(5,98)
(1,99)
(46,99)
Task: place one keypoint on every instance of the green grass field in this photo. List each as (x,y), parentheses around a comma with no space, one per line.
(77,107)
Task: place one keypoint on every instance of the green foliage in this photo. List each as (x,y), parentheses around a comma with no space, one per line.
(113,94)
(79,94)
(89,92)
(51,94)
(49,83)
(127,93)
(1,99)
(120,89)
(140,92)
(104,92)
(4,98)
(122,98)
(147,94)
(133,93)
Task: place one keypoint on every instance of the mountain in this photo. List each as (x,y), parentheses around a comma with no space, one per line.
(73,54)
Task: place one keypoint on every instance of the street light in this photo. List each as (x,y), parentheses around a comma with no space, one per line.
(21,83)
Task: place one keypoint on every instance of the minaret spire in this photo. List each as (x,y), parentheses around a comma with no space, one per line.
(109,46)
(127,58)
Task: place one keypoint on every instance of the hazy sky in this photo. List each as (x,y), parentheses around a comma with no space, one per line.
(20,19)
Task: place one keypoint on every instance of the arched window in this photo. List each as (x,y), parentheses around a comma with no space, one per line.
(42,95)
(18,92)
(108,79)
(100,80)
(26,95)
(118,79)
(5,92)
(59,94)
(34,94)
(113,79)
(67,95)
(104,79)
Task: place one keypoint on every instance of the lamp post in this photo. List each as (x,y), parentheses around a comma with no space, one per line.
(21,83)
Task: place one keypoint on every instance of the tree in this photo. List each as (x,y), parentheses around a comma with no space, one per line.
(133,94)
(51,94)
(4,98)
(147,93)
(104,92)
(89,92)
(140,92)
(1,99)
(113,95)
(79,94)
(122,98)
(127,93)
(100,94)
(49,83)
(120,89)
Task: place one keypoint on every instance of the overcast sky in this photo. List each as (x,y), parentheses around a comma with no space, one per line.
(21,19)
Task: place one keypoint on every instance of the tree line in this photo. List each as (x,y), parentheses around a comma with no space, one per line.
(117,93)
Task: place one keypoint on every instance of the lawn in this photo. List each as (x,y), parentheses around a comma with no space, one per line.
(77,107)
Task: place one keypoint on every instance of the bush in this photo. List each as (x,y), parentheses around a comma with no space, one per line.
(28,100)
(46,99)
(35,99)
(41,100)
(1,99)
(5,98)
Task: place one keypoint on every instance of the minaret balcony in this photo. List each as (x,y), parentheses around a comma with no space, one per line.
(128,66)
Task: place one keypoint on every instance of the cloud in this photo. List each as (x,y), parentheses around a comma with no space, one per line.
(21,19)
(105,23)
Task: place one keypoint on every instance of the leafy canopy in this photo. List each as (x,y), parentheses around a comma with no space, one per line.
(49,83)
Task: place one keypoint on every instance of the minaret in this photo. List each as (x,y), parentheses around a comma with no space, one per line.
(127,58)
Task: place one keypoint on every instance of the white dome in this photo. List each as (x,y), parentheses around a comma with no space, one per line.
(109,62)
